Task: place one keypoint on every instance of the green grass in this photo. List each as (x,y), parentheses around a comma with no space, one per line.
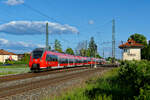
(7,73)
(14,69)
(14,66)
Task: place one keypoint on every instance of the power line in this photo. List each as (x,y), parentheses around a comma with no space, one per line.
(39,12)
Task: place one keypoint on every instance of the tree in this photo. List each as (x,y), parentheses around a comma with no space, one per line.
(83,52)
(26,58)
(81,48)
(90,51)
(148,52)
(98,56)
(88,54)
(57,46)
(92,47)
(69,51)
(139,38)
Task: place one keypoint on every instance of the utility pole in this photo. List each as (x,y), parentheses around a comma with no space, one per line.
(113,40)
(103,52)
(47,47)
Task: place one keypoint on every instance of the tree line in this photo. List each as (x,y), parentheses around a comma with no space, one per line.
(83,48)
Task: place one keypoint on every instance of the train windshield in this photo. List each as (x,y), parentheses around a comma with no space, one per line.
(37,54)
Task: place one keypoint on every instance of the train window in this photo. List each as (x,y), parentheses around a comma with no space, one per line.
(66,60)
(51,58)
(85,61)
(63,60)
(54,57)
(37,54)
(89,60)
(76,60)
(70,60)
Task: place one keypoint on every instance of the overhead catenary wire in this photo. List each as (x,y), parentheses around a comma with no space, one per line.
(39,12)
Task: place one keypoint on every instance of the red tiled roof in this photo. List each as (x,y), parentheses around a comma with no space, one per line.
(3,52)
(131,44)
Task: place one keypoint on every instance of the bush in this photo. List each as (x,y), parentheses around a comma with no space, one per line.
(15,62)
(1,63)
(9,62)
(136,75)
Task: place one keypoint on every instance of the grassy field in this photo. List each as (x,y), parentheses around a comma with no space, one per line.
(13,69)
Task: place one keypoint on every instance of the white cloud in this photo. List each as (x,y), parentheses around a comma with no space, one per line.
(35,27)
(20,46)
(91,22)
(14,2)
(3,41)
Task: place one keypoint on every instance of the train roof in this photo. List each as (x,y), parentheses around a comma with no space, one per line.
(64,55)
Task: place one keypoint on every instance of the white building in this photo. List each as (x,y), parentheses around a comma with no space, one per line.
(131,50)
(4,55)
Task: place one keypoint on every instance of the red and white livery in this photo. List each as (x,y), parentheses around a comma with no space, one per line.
(43,59)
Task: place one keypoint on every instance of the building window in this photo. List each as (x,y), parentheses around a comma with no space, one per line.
(127,50)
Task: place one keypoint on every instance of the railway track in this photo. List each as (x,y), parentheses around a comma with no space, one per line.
(33,84)
(29,75)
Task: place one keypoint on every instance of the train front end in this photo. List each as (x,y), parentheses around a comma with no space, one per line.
(36,60)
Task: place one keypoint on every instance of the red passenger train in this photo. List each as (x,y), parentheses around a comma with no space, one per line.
(43,59)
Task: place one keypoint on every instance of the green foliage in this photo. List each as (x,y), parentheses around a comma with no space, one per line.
(90,51)
(14,66)
(136,75)
(144,94)
(7,73)
(57,46)
(110,59)
(92,47)
(14,69)
(9,61)
(110,88)
(1,63)
(24,60)
(98,56)
(139,38)
(146,52)
(83,52)
(69,51)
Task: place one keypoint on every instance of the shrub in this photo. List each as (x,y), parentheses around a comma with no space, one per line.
(9,61)
(136,75)
(1,63)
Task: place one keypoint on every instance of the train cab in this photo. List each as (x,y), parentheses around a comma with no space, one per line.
(36,59)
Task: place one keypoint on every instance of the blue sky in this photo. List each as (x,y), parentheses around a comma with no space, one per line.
(70,21)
